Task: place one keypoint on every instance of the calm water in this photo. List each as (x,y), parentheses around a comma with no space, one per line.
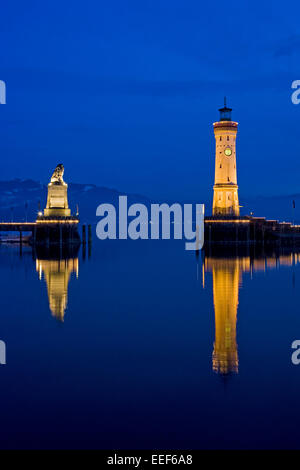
(144,345)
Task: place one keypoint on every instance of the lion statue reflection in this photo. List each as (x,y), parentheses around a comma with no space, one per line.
(58,174)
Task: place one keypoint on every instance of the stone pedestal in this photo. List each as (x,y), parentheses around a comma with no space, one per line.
(57,201)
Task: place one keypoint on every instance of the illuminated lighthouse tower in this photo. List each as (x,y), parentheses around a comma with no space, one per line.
(225,200)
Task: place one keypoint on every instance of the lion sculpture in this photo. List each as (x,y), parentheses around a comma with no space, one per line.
(58,173)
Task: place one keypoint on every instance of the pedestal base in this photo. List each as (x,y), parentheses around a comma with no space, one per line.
(57,201)
(58,230)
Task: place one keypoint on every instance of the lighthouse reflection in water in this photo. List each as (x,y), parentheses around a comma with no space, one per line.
(227,276)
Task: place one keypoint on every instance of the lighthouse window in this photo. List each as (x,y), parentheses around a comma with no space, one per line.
(220,138)
(221,165)
(228,137)
(228,178)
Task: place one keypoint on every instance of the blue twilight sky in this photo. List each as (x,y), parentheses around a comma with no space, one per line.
(124,93)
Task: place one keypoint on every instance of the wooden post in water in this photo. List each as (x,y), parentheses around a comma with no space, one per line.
(293,241)
(21,240)
(48,237)
(60,235)
(89,240)
(89,233)
(60,240)
(83,234)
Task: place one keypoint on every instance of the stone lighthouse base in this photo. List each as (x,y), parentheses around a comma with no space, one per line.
(56,230)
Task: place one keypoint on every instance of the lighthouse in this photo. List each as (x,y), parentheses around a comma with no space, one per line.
(225,201)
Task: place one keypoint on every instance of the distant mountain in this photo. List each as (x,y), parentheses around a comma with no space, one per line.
(20,197)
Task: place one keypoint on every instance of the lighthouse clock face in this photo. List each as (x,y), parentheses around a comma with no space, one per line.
(228,151)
